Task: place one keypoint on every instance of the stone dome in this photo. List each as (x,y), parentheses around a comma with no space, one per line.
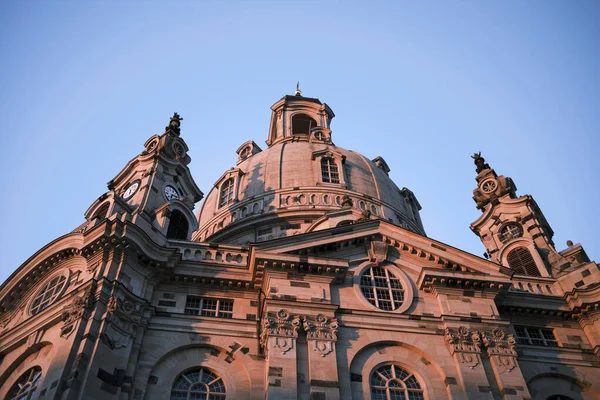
(301,183)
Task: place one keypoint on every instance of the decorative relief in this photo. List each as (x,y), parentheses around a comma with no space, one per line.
(501,347)
(122,320)
(378,252)
(78,309)
(466,344)
(283,327)
(321,331)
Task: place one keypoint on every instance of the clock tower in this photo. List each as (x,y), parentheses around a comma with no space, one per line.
(513,228)
(155,190)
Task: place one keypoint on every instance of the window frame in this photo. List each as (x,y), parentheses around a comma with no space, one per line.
(330,173)
(394,269)
(33,377)
(223,308)
(186,391)
(66,274)
(402,388)
(529,338)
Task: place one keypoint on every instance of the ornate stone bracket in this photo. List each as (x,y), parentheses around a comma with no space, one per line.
(122,320)
(283,327)
(466,344)
(78,309)
(321,333)
(501,347)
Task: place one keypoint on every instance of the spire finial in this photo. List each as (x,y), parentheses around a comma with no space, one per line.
(480,162)
(298,91)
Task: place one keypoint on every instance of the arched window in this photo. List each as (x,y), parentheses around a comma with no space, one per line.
(510,231)
(521,261)
(329,170)
(391,382)
(196,384)
(25,387)
(100,214)
(382,288)
(559,397)
(47,294)
(178,226)
(302,124)
(226,192)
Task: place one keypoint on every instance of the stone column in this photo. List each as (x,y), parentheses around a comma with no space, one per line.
(321,335)
(278,338)
(501,348)
(465,348)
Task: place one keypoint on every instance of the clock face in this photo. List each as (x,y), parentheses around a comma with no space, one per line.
(171,193)
(131,190)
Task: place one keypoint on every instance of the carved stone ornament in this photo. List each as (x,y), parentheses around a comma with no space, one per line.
(174,125)
(465,344)
(479,162)
(122,320)
(282,327)
(501,347)
(378,252)
(78,309)
(347,202)
(321,333)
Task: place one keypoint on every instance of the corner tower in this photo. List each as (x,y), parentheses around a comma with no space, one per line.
(513,228)
(155,190)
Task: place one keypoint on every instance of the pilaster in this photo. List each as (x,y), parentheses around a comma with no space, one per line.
(501,349)
(278,338)
(321,335)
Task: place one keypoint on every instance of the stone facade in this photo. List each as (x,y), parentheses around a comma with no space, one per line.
(306,274)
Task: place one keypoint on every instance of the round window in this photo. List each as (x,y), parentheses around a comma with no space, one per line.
(489,186)
(510,231)
(47,294)
(382,288)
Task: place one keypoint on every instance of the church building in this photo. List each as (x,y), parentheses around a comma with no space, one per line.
(305,273)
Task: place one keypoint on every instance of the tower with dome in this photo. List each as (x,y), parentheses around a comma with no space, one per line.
(306,273)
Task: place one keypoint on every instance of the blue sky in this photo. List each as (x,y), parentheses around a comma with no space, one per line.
(422,84)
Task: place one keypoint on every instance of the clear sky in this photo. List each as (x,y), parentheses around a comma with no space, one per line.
(83,84)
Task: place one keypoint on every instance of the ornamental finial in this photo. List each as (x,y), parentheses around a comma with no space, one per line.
(298,91)
(174,124)
(479,162)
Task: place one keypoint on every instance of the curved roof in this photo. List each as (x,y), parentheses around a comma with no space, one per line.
(283,190)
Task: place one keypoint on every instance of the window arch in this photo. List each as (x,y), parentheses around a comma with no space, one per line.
(521,261)
(101,213)
(227,192)
(329,170)
(391,382)
(47,294)
(178,226)
(302,124)
(25,386)
(198,384)
(382,288)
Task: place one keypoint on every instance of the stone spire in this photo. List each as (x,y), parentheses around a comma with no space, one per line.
(490,186)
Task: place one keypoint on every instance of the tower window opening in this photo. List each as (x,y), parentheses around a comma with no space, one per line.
(329,171)
(510,231)
(178,226)
(302,124)
(226,192)
(521,261)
